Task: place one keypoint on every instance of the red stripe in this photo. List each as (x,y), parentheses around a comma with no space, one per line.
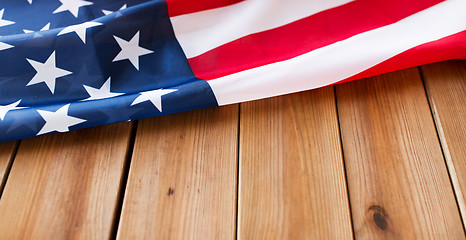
(302,36)
(451,47)
(179,7)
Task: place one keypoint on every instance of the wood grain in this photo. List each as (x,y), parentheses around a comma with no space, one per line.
(182,179)
(398,182)
(292,182)
(446,87)
(7,150)
(65,186)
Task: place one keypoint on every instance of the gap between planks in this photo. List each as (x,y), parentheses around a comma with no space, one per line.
(124,181)
(445,85)
(7,154)
(238,172)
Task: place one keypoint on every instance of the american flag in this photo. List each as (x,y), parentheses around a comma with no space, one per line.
(70,64)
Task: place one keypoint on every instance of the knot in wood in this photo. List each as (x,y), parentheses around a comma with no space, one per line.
(379,216)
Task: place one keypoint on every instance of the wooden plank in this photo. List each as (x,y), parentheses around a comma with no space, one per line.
(397,178)
(182,179)
(65,186)
(7,150)
(446,87)
(292,182)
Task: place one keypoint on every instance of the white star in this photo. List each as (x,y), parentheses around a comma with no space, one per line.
(4,22)
(101,93)
(107,12)
(131,50)
(30,1)
(72,6)
(58,121)
(10,107)
(79,29)
(155,96)
(47,72)
(4,46)
(45,28)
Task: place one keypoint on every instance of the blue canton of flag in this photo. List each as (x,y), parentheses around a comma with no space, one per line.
(69,64)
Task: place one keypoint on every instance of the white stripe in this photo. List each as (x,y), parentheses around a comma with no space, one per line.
(202,31)
(343,59)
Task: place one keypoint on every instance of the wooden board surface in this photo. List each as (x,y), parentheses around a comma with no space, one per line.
(398,182)
(182,179)
(291,181)
(65,186)
(446,87)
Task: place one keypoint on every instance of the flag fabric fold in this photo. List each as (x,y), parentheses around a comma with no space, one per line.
(70,64)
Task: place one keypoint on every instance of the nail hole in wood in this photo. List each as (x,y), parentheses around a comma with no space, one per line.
(171,191)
